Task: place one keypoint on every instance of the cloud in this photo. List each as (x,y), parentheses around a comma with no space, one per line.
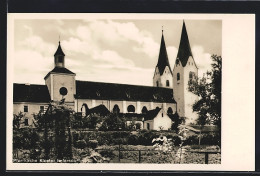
(202,59)
(113,58)
(97,50)
(117,34)
(31,66)
(36,43)
(130,75)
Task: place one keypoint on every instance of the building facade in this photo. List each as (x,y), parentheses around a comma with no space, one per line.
(169,91)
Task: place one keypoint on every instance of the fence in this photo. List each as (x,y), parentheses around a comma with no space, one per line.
(138,154)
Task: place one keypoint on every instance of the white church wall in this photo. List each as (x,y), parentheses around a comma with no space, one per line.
(67,81)
(178,89)
(157,77)
(80,102)
(166,76)
(145,104)
(49,84)
(162,121)
(171,105)
(189,97)
(150,122)
(33,108)
(134,103)
(119,103)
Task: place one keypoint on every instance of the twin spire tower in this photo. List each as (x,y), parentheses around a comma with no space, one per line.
(177,79)
(184,69)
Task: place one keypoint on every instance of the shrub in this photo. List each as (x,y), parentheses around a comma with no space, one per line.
(133,140)
(92,144)
(81,144)
(192,140)
(107,153)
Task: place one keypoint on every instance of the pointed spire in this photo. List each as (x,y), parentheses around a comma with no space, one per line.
(163,57)
(162,29)
(59,51)
(184,51)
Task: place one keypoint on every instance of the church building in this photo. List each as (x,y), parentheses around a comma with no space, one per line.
(169,92)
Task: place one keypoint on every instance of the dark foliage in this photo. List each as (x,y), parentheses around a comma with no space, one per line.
(208,89)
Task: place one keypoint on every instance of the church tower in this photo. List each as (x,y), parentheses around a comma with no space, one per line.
(185,69)
(163,73)
(61,81)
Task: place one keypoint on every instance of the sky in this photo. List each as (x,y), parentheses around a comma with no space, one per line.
(108,50)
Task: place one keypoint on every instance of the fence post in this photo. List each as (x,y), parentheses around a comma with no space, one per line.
(139,158)
(119,153)
(206,158)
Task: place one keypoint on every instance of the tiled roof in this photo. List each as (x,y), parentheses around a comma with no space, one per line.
(152,114)
(100,109)
(163,60)
(184,51)
(59,70)
(111,91)
(30,93)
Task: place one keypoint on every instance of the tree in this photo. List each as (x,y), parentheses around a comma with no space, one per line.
(208,88)
(57,118)
(92,120)
(177,120)
(17,120)
(112,122)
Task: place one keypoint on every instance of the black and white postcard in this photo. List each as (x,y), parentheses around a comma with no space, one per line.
(130,92)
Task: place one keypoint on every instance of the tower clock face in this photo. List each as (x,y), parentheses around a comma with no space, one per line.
(63,91)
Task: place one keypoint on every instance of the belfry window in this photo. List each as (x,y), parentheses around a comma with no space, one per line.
(60,59)
(157,83)
(167,83)
(178,76)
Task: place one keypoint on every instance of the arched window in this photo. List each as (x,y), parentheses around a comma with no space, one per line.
(169,111)
(131,108)
(178,76)
(84,109)
(144,110)
(167,83)
(116,109)
(157,83)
